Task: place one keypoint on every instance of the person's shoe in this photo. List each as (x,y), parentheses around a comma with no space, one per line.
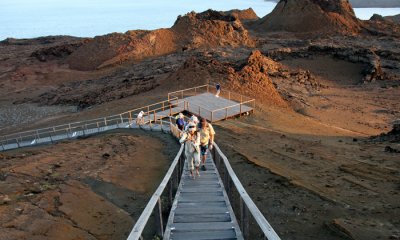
(203,168)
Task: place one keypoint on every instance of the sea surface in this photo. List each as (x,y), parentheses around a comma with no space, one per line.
(88,18)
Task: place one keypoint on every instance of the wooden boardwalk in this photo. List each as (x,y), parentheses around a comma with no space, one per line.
(201,208)
(207,105)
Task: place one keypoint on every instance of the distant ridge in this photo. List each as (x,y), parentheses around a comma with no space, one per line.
(369,3)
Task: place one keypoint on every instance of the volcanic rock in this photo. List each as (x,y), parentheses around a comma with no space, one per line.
(194,30)
(243,15)
(253,80)
(211,29)
(302,16)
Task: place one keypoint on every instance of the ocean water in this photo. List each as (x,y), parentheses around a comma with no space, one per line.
(88,18)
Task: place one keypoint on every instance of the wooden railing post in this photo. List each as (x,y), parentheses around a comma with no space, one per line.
(199,111)
(122,120)
(170,192)
(244,219)
(226,113)
(105,121)
(159,218)
(240,110)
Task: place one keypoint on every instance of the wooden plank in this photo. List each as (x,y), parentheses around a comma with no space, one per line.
(205,235)
(201,210)
(199,204)
(186,227)
(202,189)
(203,217)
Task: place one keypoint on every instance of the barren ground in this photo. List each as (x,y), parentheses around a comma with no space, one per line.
(311,167)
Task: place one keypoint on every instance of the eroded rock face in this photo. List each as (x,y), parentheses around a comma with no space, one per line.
(211,29)
(312,16)
(253,80)
(115,48)
(194,30)
(243,15)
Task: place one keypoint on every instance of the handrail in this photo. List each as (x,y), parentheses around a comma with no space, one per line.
(137,230)
(264,225)
(187,89)
(77,124)
(231,106)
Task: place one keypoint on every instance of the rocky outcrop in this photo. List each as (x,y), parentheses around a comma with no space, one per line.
(56,52)
(243,15)
(302,16)
(376,62)
(194,30)
(115,48)
(391,136)
(211,29)
(253,80)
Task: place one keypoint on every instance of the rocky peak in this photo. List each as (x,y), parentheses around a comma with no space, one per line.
(336,16)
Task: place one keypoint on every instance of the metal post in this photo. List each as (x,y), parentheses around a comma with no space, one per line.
(171,188)
(69,130)
(244,219)
(159,218)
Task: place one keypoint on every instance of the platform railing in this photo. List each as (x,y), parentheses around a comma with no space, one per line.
(241,100)
(252,222)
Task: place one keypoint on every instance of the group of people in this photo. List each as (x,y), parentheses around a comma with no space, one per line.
(198,137)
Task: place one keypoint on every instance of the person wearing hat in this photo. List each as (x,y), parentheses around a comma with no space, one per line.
(191,139)
(180,121)
(193,119)
(207,134)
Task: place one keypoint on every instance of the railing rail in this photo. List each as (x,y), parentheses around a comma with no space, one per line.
(70,128)
(168,187)
(243,205)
